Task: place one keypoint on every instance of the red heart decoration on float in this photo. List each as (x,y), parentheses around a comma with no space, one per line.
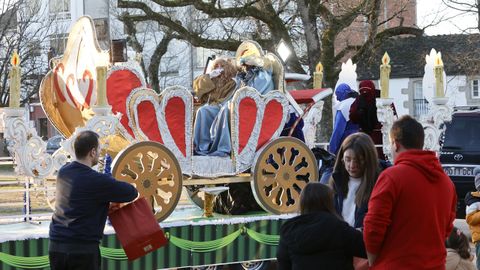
(147,122)
(175,116)
(256,120)
(120,83)
(247,116)
(164,118)
(272,118)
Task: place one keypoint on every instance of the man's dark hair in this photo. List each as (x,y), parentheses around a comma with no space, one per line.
(408,132)
(84,143)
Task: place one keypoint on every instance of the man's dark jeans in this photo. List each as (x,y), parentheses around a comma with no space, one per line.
(72,257)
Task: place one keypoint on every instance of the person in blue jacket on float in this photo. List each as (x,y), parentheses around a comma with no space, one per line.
(342,126)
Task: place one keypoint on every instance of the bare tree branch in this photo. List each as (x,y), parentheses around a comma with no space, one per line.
(467,6)
(23,27)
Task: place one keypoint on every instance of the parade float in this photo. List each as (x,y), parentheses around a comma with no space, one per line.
(149,137)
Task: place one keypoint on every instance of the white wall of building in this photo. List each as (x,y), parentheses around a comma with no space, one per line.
(456,90)
(397,92)
(402,92)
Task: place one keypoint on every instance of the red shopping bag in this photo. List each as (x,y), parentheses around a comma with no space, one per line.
(137,229)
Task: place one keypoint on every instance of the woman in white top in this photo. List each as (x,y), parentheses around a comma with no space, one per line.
(355,172)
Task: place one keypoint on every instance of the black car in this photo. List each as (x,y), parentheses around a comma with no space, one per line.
(460,152)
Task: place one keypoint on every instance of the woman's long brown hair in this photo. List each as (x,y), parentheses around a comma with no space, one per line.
(364,149)
(317,197)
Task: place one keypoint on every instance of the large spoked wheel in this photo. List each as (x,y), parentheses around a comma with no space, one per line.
(154,171)
(282,170)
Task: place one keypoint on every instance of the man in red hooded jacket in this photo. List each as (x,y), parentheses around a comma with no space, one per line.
(412,206)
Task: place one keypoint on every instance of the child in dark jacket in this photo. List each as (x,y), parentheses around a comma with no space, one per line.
(318,237)
(472,200)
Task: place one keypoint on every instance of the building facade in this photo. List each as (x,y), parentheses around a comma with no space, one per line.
(182,62)
(461,59)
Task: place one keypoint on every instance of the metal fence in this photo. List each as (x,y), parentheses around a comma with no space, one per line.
(420,108)
(23,200)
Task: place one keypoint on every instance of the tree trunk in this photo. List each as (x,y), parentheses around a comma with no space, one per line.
(311,36)
(154,66)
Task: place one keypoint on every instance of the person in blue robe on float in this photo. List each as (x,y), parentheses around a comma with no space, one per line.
(212,127)
(342,126)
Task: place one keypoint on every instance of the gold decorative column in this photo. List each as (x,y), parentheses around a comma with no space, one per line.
(210,193)
(384,105)
(15,75)
(438,72)
(385,69)
(101,86)
(318,76)
(439,112)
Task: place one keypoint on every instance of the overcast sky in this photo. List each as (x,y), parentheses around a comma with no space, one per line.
(429,10)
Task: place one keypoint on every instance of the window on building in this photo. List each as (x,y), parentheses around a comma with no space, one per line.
(147,27)
(34,48)
(169,66)
(101,27)
(420,104)
(475,90)
(58,44)
(43,127)
(8,20)
(33,7)
(59,9)
(418,90)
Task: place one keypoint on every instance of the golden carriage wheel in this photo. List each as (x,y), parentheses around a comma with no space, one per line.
(282,170)
(154,171)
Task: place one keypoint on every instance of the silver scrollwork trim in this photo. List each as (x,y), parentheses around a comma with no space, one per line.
(386,117)
(104,126)
(433,123)
(27,148)
(311,121)
(243,160)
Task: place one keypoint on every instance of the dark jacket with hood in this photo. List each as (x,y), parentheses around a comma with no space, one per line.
(318,241)
(410,213)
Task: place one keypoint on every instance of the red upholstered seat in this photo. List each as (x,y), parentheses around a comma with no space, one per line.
(305,96)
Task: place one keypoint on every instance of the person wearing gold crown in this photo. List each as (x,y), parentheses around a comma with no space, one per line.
(254,74)
(215,89)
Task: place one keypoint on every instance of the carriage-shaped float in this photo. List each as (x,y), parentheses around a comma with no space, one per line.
(152,144)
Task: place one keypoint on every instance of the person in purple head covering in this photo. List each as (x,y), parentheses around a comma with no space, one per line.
(364,113)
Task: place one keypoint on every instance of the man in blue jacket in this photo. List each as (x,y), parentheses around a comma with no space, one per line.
(83,198)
